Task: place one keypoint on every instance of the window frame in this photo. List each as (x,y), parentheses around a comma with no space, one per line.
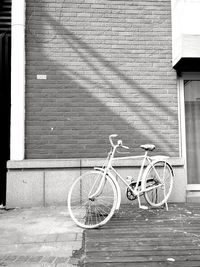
(193,76)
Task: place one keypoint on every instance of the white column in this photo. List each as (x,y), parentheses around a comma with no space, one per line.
(17,80)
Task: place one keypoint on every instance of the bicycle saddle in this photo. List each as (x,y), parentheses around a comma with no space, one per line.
(148,147)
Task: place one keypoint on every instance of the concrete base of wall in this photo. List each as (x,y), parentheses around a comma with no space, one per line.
(193,196)
(46,182)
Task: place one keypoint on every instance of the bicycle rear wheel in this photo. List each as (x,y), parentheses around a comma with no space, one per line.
(159,176)
(92,212)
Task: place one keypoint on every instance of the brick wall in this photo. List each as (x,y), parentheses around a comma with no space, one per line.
(108,68)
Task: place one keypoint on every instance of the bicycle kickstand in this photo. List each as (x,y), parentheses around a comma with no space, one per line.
(143,207)
(166,205)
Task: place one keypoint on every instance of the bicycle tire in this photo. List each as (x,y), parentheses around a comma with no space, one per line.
(158,196)
(92,213)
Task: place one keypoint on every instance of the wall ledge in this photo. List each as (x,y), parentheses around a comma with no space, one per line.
(78,163)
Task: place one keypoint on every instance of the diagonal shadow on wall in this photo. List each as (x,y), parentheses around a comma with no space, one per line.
(85,101)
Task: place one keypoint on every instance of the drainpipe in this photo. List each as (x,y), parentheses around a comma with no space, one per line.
(17,131)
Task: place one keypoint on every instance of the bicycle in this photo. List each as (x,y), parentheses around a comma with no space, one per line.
(95,196)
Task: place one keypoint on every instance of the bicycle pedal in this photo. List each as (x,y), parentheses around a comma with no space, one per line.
(143,207)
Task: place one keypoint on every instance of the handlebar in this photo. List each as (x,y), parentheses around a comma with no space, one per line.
(110,139)
(119,142)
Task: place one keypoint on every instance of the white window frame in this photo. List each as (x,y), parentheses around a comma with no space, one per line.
(193,76)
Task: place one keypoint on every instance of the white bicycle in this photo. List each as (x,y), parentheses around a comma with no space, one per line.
(95,196)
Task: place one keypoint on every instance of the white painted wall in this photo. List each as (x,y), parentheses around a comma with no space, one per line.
(17,80)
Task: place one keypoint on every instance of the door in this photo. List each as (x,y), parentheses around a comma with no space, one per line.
(192,128)
(5,58)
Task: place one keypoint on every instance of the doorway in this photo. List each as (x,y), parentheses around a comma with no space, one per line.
(5,91)
(5,71)
(192,131)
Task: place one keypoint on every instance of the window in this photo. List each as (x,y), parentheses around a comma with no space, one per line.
(192,129)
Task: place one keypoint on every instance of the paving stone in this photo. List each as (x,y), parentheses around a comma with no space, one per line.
(30,265)
(65,265)
(22,258)
(33,239)
(66,237)
(48,259)
(74,261)
(61,260)
(11,258)
(35,259)
(79,236)
(51,238)
(2,257)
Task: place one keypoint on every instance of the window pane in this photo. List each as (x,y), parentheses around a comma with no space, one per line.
(192,121)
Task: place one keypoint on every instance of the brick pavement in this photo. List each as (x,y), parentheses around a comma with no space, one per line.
(39,237)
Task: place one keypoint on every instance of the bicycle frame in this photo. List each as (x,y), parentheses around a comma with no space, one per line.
(109,170)
(145,158)
(96,195)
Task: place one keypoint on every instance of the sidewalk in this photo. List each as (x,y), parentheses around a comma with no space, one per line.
(47,237)
(39,237)
(147,238)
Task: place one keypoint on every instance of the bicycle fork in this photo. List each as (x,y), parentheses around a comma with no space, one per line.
(99,188)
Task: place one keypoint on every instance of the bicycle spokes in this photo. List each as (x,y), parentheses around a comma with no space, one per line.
(158,183)
(96,199)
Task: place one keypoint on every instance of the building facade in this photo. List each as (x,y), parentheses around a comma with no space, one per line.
(85,69)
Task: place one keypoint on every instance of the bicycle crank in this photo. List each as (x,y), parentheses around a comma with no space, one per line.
(129,193)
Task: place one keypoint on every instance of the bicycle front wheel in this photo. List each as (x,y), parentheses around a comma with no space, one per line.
(158,183)
(91,202)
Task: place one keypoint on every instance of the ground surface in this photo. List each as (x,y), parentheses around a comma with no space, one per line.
(41,237)
(147,238)
(38,237)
